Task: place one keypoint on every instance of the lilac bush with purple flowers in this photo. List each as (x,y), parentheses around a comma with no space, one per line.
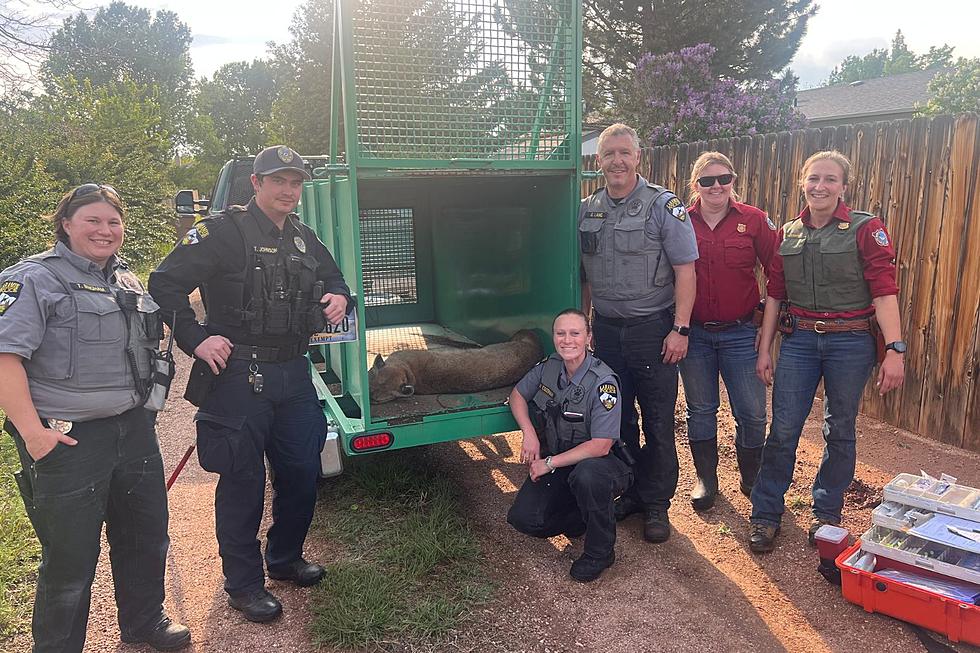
(680,100)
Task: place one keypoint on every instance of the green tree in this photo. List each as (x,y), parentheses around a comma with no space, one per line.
(120,42)
(901,59)
(302,69)
(754,39)
(854,68)
(111,134)
(24,31)
(237,101)
(937,57)
(883,62)
(956,90)
(27,190)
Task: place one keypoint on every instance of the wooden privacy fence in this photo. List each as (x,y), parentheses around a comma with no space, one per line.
(921,176)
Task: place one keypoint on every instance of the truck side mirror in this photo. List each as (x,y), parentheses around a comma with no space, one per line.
(187,204)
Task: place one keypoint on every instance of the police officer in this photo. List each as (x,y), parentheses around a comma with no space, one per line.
(836,272)
(638,251)
(572,399)
(267,283)
(77,336)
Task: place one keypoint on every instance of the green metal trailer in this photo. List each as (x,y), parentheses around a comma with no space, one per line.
(449,199)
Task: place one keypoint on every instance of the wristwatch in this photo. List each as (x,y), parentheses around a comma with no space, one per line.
(683,330)
(547,463)
(898,346)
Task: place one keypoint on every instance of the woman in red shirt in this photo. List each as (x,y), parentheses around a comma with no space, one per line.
(732,238)
(835,272)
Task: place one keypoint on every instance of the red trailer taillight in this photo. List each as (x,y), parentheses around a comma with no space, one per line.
(372,441)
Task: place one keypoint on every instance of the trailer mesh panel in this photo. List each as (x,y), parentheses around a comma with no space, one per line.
(464,79)
(388,265)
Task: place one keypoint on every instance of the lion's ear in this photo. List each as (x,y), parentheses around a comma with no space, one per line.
(379,362)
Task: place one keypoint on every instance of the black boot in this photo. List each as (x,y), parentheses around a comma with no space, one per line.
(705,454)
(749,461)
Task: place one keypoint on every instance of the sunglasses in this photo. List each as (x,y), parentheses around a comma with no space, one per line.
(88,189)
(708,182)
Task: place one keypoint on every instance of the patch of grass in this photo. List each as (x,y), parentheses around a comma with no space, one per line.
(798,503)
(724,529)
(19,548)
(409,567)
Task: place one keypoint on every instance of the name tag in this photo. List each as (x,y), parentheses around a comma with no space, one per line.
(90,288)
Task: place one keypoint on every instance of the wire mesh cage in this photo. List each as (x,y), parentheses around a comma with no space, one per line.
(388,265)
(464,79)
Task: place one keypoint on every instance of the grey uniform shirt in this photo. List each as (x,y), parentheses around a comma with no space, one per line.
(675,235)
(32,300)
(605,421)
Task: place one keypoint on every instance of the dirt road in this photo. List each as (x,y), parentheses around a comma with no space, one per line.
(700,591)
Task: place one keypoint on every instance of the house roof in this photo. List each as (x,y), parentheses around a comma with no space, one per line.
(870,97)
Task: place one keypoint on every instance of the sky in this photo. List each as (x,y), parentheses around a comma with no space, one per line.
(226,30)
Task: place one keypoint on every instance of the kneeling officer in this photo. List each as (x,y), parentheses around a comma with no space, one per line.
(572,398)
(268,283)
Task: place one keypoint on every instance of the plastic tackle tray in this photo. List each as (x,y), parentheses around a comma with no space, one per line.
(898,516)
(958,621)
(922,554)
(939,496)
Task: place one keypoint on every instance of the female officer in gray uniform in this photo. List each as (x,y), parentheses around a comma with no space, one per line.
(77,336)
(571,399)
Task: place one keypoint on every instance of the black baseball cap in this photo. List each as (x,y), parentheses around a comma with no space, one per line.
(278,158)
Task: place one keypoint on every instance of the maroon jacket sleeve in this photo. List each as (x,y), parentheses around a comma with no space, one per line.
(877,254)
(766,241)
(776,282)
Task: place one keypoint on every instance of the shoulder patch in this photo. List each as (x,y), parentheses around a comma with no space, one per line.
(9,292)
(676,208)
(608,395)
(195,234)
(772,225)
(880,237)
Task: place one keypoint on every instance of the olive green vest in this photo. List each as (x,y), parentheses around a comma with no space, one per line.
(823,267)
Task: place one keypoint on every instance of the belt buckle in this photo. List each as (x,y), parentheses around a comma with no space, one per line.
(817,328)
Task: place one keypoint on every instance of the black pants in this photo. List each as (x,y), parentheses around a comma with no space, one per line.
(562,501)
(114,475)
(236,429)
(633,351)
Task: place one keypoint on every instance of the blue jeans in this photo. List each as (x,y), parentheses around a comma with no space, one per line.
(731,353)
(633,352)
(844,362)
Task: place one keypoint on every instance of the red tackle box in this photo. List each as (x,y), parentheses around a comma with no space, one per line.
(958,621)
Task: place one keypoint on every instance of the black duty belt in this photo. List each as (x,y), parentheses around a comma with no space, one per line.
(262,354)
(666,314)
(715,327)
